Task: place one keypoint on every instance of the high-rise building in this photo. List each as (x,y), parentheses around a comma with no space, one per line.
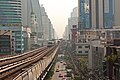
(83,14)
(11,19)
(99,16)
(37,12)
(52,32)
(47,25)
(74,13)
(32,17)
(117,13)
(93,13)
(102,14)
(73,20)
(96,14)
(66,33)
(10,12)
(108,14)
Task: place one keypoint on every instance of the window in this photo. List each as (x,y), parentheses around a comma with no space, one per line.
(18,46)
(96,48)
(86,46)
(79,51)
(86,51)
(79,46)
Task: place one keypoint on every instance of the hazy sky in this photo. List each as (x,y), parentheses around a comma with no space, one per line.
(59,11)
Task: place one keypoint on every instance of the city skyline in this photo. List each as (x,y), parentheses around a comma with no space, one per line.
(59,11)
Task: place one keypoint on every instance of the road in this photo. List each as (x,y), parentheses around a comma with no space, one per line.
(60,72)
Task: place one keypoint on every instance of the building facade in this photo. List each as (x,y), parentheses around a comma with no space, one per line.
(11,19)
(102,15)
(96,14)
(48,31)
(117,12)
(82,49)
(6,43)
(66,33)
(108,14)
(83,14)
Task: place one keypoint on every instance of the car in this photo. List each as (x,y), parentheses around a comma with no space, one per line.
(63,78)
(64,63)
(60,75)
(65,75)
(57,70)
(61,61)
(58,66)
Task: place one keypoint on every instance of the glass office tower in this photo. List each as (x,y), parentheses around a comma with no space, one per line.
(108,11)
(10,12)
(10,19)
(84,14)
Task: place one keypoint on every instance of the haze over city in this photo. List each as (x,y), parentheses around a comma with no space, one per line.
(59,40)
(59,11)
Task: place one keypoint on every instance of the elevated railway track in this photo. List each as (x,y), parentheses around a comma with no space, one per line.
(33,63)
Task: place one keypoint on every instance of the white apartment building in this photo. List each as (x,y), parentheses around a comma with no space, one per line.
(82,48)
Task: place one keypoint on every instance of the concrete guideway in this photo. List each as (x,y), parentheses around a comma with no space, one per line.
(32,72)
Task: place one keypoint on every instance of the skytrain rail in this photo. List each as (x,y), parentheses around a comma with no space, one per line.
(9,60)
(25,61)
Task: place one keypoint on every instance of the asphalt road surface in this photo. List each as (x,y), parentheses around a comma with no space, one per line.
(60,72)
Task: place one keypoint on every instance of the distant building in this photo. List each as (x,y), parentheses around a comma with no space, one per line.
(45,23)
(52,32)
(74,33)
(48,30)
(74,13)
(73,20)
(38,13)
(33,36)
(66,33)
